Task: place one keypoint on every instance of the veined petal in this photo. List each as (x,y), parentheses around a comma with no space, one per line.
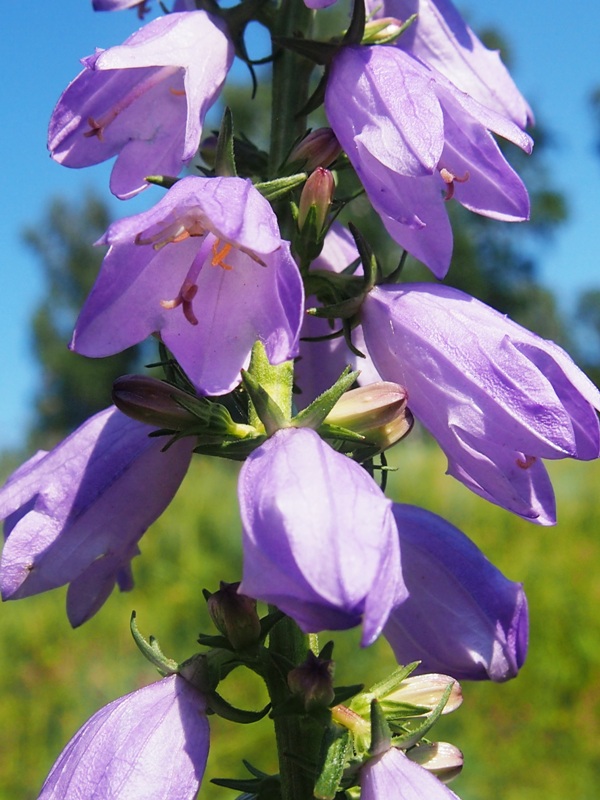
(393,776)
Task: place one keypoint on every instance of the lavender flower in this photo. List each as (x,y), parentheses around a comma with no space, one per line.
(496,397)
(144,100)
(152,743)
(441,39)
(393,776)
(413,138)
(76,514)
(319,538)
(207,268)
(462,616)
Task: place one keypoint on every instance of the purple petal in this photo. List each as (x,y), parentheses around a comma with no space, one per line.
(319,538)
(494,395)
(393,776)
(93,496)
(462,617)
(151,744)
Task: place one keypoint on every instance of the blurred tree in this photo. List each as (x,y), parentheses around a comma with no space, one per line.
(71,387)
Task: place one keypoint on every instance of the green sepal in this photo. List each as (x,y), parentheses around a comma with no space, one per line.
(164,181)
(232,450)
(410,738)
(207,640)
(268,622)
(367,258)
(383,688)
(278,188)
(319,52)
(356,29)
(381,735)
(335,748)
(218,705)
(262,785)
(343,693)
(371,36)
(151,650)
(225,159)
(313,416)
(266,408)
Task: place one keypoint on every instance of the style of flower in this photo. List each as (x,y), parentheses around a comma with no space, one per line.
(415,141)
(497,397)
(393,776)
(440,38)
(152,743)
(144,101)
(206,268)
(76,514)
(462,616)
(319,538)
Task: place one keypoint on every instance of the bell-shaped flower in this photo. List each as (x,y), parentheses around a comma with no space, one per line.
(440,38)
(207,269)
(462,617)
(415,141)
(144,100)
(150,744)
(393,776)
(497,397)
(319,538)
(75,515)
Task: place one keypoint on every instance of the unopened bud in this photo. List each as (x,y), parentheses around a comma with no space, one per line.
(317,193)
(235,616)
(153,402)
(377,411)
(384,30)
(427,691)
(319,148)
(208,150)
(444,760)
(313,681)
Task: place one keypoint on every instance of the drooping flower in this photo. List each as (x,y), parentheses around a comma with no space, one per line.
(497,397)
(440,38)
(144,101)
(415,140)
(75,515)
(319,537)
(206,268)
(462,616)
(152,743)
(393,776)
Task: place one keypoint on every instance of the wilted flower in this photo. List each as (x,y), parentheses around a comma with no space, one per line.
(441,39)
(319,537)
(394,775)
(76,514)
(152,743)
(144,100)
(319,148)
(207,268)
(415,140)
(497,397)
(462,617)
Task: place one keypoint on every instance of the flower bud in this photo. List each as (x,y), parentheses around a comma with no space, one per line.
(313,681)
(383,30)
(208,150)
(317,193)
(377,411)
(444,760)
(235,616)
(427,691)
(319,148)
(152,401)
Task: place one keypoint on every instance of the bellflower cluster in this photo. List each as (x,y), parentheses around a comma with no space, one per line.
(218,271)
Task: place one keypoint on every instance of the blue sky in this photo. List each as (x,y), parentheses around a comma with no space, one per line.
(555,63)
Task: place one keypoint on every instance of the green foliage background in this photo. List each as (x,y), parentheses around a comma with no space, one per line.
(535,738)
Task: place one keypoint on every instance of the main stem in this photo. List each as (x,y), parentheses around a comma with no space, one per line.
(298,739)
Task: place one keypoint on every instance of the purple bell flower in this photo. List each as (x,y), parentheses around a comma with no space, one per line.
(415,141)
(319,538)
(393,776)
(150,744)
(144,101)
(206,268)
(497,397)
(441,39)
(76,514)
(462,617)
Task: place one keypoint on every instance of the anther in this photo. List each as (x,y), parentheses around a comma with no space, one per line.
(219,256)
(525,463)
(450,179)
